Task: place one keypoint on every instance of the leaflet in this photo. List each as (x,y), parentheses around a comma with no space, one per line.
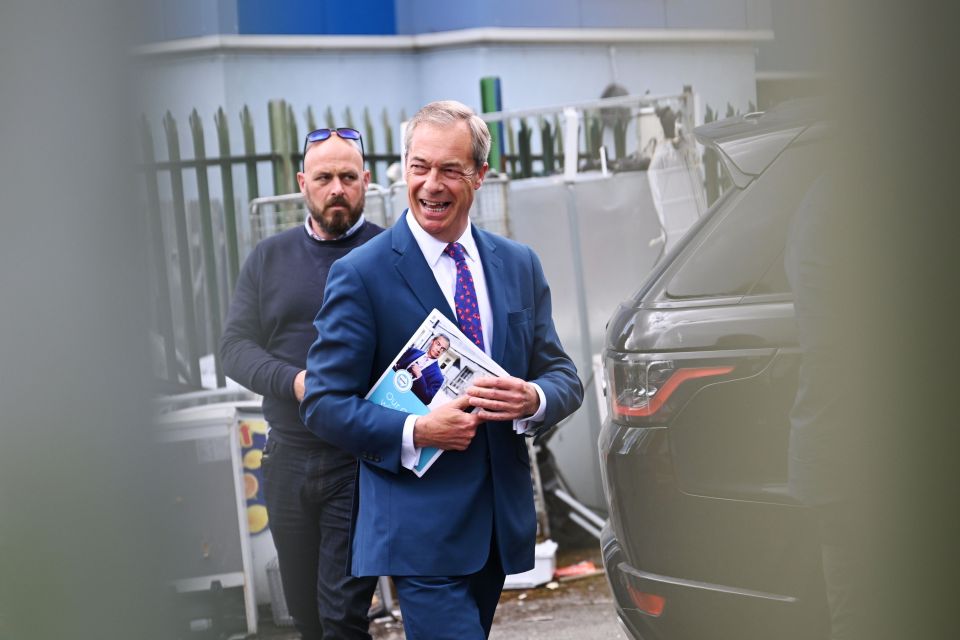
(436,365)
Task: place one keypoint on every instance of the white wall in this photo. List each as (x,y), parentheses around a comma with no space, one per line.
(316,80)
(532,75)
(546,75)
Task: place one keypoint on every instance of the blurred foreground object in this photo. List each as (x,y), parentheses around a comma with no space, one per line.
(80,548)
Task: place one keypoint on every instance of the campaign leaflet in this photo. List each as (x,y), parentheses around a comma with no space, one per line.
(436,365)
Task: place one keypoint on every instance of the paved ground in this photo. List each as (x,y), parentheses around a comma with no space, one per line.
(580,609)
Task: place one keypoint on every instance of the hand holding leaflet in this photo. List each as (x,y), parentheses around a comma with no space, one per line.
(448,363)
(503,399)
(449,427)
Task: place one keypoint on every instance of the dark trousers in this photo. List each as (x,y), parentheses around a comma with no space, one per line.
(451,608)
(309,496)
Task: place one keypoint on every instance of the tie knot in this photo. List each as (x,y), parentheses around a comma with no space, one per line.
(455,251)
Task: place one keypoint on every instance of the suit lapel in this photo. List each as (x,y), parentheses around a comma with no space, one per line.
(493,274)
(414,270)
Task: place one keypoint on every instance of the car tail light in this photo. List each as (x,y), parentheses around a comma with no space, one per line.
(649,603)
(643,390)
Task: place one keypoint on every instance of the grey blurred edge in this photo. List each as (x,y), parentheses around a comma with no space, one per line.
(81,545)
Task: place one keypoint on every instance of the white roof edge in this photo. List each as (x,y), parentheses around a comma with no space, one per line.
(499,35)
(789,75)
(464,37)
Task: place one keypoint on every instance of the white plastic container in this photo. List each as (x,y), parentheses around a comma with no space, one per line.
(542,572)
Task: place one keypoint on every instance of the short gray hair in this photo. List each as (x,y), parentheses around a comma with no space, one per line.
(446,113)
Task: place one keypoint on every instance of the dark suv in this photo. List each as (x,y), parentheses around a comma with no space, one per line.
(701,365)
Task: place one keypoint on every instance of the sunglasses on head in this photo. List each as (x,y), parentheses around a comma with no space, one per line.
(319,135)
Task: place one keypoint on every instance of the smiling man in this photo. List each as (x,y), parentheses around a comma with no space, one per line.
(448,538)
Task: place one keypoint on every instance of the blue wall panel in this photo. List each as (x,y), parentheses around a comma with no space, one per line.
(362,17)
(638,14)
(707,14)
(430,16)
(316,17)
(283,17)
(173,19)
(556,14)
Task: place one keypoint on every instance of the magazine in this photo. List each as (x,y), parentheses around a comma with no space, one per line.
(436,365)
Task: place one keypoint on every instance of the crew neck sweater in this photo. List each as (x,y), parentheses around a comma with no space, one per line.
(269,326)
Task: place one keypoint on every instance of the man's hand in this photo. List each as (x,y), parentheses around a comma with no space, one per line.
(503,398)
(298,387)
(448,427)
(415,371)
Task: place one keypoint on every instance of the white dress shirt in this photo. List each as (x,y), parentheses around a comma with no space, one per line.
(445,271)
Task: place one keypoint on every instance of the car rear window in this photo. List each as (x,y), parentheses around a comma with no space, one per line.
(742,251)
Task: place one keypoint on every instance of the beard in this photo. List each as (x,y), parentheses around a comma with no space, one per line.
(335,222)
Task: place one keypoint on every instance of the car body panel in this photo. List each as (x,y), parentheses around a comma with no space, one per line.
(700,511)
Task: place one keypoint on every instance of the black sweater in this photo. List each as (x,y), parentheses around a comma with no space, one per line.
(269,327)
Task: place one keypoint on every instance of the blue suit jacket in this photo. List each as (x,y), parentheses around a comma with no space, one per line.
(430,380)
(440,524)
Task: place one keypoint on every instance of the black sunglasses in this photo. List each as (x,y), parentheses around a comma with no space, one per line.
(319,135)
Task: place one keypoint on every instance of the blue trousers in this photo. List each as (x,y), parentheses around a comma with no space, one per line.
(451,607)
(309,496)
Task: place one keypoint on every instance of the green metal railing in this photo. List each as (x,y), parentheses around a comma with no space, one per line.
(196,233)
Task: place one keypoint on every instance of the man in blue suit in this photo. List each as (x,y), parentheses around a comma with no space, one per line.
(450,537)
(423,367)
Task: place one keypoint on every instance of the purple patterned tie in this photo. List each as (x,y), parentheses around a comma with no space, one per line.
(465,297)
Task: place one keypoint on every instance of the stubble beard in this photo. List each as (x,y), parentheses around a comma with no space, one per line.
(336,223)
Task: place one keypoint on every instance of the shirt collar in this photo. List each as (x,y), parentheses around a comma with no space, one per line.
(349,232)
(432,248)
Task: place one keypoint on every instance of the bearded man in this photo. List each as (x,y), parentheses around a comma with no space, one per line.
(308,483)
